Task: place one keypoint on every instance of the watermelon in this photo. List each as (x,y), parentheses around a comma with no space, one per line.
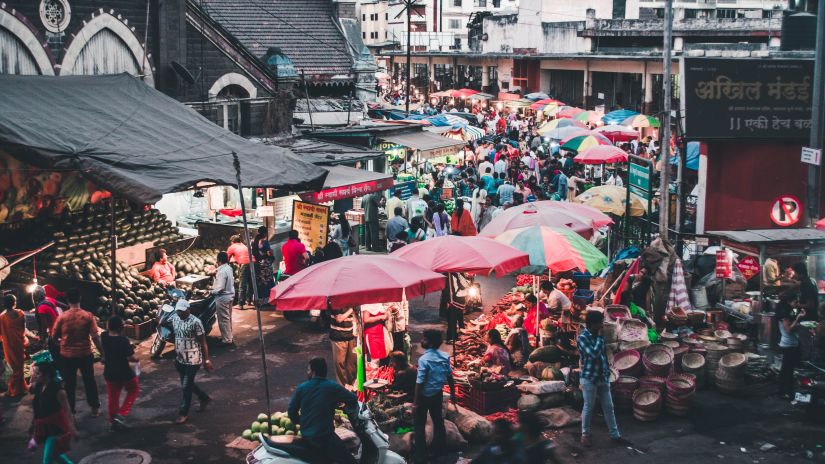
(263,417)
(256,427)
(247,434)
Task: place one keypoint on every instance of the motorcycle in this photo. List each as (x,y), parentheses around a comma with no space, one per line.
(810,391)
(201,306)
(374,448)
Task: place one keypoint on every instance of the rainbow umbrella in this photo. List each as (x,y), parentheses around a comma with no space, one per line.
(616,117)
(641,120)
(559,249)
(612,199)
(559,123)
(579,143)
(593,117)
(569,112)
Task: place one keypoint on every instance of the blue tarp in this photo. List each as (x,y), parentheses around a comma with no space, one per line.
(692,158)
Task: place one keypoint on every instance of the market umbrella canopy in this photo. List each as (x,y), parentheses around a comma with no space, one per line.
(617,133)
(569,112)
(596,217)
(820,224)
(558,123)
(531,215)
(537,96)
(559,249)
(133,140)
(601,154)
(612,199)
(561,133)
(641,120)
(453,253)
(593,117)
(579,143)
(354,280)
(616,117)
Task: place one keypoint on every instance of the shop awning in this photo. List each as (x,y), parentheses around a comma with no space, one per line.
(345,182)
(430,145)
(133,140)
(324,153)
(775,241)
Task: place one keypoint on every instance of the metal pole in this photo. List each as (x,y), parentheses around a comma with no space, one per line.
(113,262)
(664,179)
(409,4)
(349,107)
(817,118)
(237,164)
(309,108)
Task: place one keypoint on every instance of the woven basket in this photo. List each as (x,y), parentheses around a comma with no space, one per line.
(696,318)
(610,332)
(622,391)
(632,330)
(671,343)
(733,361)
(676,316)
(617,313)
(628,362)
(681,384)
(692,362)
(721,334)
(665,335)
(637,345)
(647,404)
(658,359)
(652,381)
(678,352)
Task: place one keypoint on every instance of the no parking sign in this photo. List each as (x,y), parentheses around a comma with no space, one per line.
(786,210)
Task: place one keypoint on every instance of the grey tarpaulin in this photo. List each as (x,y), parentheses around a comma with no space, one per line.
(133,140)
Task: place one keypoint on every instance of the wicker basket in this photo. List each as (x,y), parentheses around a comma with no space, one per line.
(676,316)
(637,345)
(658,359)
(622,392)
(647,404)
(632,330)
(617,313)
(652,381)
(694,364)
(628,363)
(680,392)
(665,335)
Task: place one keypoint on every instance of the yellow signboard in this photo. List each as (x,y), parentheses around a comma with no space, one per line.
(312,223)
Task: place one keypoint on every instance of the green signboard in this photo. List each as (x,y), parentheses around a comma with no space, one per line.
(639,177)
(643,194)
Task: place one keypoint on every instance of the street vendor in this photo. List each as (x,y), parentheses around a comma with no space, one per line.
(556,301)
(405,375)
(378,340)
(163,271)
(534,307)
(497,356)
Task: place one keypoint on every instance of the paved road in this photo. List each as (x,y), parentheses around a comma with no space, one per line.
(716,429)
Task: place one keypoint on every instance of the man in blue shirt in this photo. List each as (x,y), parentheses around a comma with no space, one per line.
(595,377)
(505,193)
(313,407)
(433,372)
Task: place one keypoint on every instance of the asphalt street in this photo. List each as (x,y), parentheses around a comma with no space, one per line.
(720,428)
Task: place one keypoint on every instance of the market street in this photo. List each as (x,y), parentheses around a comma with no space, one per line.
(236,385)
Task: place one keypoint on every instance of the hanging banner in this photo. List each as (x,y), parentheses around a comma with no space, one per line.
(724,267)
(749,267)
(312,223)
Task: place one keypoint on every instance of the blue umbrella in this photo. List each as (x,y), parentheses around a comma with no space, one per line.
(616,117)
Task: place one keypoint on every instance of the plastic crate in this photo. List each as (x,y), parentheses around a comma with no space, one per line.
(583,297)
(582,279)
(488,402)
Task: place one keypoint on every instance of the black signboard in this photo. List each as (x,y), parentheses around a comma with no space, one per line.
(747,98)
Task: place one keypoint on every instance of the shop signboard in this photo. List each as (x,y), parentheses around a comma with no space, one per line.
(407,189)
(786,210)
(747,98)
(749,267)
(811,156)
(348,191)
(724,266)
(312,223)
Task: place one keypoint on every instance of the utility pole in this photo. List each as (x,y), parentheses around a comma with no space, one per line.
(408,5)
(664,178)
(817,116)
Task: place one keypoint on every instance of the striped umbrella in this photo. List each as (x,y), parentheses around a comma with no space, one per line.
(553,109)
(558,123)
(601,154)
(455,120)
(641,120)
(617,133)
(561,133)
(569,112)
(593,117)
(559,249)
(616,117)
(473,133)
(579,143)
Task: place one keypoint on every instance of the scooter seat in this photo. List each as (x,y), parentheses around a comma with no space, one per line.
(297,449)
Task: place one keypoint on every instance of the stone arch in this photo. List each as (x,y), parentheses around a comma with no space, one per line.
(232,79)
(111,27)
(38,56)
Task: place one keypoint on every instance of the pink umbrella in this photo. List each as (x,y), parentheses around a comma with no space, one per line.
(476,255)
(569,112)
(601,154)
(531,215)
(585,212)
(617,133)
(354,280)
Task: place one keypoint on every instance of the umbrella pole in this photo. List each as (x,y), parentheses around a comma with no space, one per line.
(451,311)
(360,348)
(113,262)
(237,164)
(538,314)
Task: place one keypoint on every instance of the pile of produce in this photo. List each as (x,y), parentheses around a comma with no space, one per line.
(194,261)
(278,424)
(469,347)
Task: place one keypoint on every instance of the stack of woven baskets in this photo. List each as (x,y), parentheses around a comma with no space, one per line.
(715,352)
(680,391)
(647,404)
(658,360)
(694,364)
(622,392)
(730,374)
(628,362)
(677,317)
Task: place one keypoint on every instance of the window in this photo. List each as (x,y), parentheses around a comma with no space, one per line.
(455,24)
(386,16)
(457,44)
(492,76)
(363,35)
(364,17)
(386,35)
(480,3)
(726,13)
(443,76)
(457,3)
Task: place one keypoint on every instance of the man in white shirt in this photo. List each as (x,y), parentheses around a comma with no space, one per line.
(484,164)
(415,206)
(395,201)
(224,290)
(501,165)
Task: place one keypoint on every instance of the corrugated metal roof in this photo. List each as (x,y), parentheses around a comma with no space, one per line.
(422,141)
(324,153)
(772,236)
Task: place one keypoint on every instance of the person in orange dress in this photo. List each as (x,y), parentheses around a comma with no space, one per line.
(13,333)
(462,221)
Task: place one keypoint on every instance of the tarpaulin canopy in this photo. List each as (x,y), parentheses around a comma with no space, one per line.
(133,140)
(423,141)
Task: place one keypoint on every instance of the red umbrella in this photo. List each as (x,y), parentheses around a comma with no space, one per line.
(476,255)
(531,215)
(820,224)
(569,112)
(589,213)
(354,280)
(463,93)
(617,133)
(601,154)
